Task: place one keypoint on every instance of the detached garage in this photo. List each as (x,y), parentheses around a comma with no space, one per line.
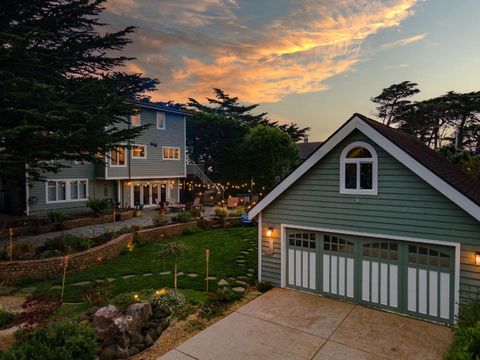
(375,217)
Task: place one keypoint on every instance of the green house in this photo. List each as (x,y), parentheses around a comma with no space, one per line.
(375,217)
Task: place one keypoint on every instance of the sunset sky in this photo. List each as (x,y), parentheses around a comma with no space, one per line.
(311,62)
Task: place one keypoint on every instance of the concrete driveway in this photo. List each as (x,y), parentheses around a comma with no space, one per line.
(286,324)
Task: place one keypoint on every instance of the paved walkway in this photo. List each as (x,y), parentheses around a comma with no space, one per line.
(287,324)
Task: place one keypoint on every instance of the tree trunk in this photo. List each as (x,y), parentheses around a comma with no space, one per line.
(175,274)
(13,179)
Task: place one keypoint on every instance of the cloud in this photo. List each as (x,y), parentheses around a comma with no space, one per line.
(399,66)
(405,41)
(193,46)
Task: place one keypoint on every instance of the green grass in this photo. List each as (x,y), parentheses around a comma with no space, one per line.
(225,245)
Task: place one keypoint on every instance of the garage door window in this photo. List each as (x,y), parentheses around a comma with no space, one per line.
(427,256)
(384,250)
(304,240)
(337,244)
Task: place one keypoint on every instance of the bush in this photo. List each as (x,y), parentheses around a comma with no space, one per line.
(99,205)
(220,212)
(62,340)
(170,299)
(160,220)
(238,211)
(195,212)
(50,253)
(6,319)
(191,230)
(123,301)
(57,215)
(22,250)
(68,243)
(264,286)
(469,314)
(466,343)
(226,295)
(97,294)
(183,217)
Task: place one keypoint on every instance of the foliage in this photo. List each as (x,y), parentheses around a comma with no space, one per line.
(61,340)
(123,301)
(212,309)
(183,217)
(97,294)
(269,155)
(466,339)
(469,313)
(50,253)
(6,319)
(195,212)
(99,205)
(68,243)
(226,295)
(160,220)
(36,311)
(57,215)
(177,251)
(469,162)
(170,299)
(22,250)
(264,286)
(63,97)
(220,212)
(238,211)
(191,230)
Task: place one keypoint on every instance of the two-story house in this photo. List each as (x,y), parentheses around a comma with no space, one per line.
(147,172)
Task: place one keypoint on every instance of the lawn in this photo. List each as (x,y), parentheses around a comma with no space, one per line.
(140,268)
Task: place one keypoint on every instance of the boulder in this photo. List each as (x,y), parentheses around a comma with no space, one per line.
(137,315)
(104,321)
(136,338)
(110,352)
(148,341)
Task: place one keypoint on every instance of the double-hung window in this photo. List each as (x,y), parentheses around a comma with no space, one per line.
(358,169)
(139,152)
(135,119)
(171,153)
(161,120)
(117,156)
(66,190)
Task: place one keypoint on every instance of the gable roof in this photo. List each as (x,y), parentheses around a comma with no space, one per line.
(449,179)
(163,106)
(307,148)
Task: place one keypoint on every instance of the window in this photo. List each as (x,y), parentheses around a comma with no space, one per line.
(161,120)
(66,190)
(139,152)
(304,240)
(117,156)
(337,244)
(135,120)
(358,169)
(171,153)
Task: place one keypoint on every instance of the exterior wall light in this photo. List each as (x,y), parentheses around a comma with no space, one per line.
(271,249)
(477,258)
(269,231)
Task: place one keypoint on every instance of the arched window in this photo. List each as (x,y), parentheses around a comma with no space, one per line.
(358,169)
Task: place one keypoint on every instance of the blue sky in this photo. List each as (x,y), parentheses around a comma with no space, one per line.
(311,62)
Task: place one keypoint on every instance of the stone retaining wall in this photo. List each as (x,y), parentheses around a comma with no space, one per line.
(13,271)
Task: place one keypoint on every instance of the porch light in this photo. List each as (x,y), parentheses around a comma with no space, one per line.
(477,258)
(269,232)
(129,183)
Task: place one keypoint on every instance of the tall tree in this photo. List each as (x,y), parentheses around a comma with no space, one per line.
(229,106)
(393,100)
(60,96)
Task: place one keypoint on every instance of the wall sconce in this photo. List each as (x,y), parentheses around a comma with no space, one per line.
(269,232)
(271,249)
(477,258)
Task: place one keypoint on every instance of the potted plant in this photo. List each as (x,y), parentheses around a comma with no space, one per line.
(138,210)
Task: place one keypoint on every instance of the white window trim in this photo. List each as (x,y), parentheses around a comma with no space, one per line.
(373,161)
(139,157)
(171,147)
(164,120)
(110,158)
(139,120)
(67,191)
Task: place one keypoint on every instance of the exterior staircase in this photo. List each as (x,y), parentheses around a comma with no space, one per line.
(196,170)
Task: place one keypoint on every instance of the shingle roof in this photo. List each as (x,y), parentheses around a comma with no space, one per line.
(435,162)
(175,108)
(307,148)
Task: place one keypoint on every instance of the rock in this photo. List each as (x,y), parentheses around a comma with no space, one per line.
(81,283)
(26,291)
(136,338)
(109,352)
(153,334)
(240,261)
(243,277)
(180,273)
(133,351)
(110,279)
(127,276)
(148,274)
(148,340)
(192,275)
(165,273)
(122,353)
(137,314)
(103,321)
(54,287)
(140,346)
(122,340)
(241,282)
(211,278)
(239,289)
(222,282)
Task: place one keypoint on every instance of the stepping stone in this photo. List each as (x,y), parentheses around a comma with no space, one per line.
(240,261)
(211,278)
(110,279)
(180,273)
(148,274)
(244,252)
(238,289)
(222,282)
(240,257)
(231,279)
(251,270)
(242,265)
(192,275)
(127,276)
(243,277)
(165,273)
(56,287)
(99,281)
(250,249)
(81,283)
(26,291)
(241,282)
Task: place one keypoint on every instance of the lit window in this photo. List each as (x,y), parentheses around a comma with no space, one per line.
(117,156)
(161,120)
(171,153)
(136,120)
(139,152)
(66,190)
(358,169)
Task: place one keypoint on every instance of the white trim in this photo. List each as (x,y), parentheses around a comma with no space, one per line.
(124,155)
(153,177)
(139,157)
(356,123)
(283,233)
(164,120)
(373,160)
(157,109)
(174,148)
(67,191)
(139,120)
(260,246)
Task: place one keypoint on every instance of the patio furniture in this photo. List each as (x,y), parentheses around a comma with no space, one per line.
(176,207)
(232,202)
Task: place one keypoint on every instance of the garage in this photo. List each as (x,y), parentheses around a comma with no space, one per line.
(416,279)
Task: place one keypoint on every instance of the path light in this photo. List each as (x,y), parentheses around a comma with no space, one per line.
(160,292)
(136,297)
(477,258)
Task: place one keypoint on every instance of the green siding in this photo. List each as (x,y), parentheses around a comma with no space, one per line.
(405,206)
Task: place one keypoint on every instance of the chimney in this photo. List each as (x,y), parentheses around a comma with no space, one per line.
(305,139)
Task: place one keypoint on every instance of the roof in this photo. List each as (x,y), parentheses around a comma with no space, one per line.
(436,170)
(169,107)
(307,148)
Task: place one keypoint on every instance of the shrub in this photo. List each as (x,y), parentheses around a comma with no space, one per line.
(62,340)
(220,212)
(469,313)
(183,217)
(123,301)
(238,211)
(212,309)
(191,230)
(57,215)
(170,299)
(68,243)
(226,295)
(160,220)
(466,343)
(99,205)
(97,294)
(6,319)
(50,253)
(195,212)
(22,250)
(264,286)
